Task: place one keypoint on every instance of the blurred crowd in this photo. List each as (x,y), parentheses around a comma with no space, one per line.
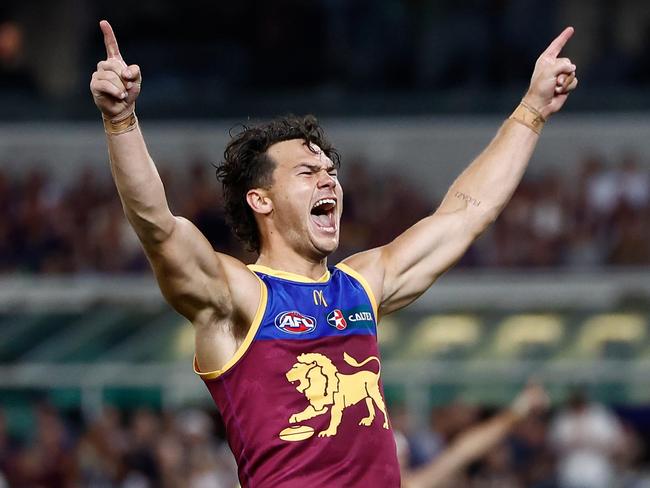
(145,450)
(592,218)
(581,445)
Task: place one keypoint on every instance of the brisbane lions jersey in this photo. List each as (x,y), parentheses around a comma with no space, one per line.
(302,398)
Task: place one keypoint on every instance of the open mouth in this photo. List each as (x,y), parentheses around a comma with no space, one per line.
(323,214)
(300,384)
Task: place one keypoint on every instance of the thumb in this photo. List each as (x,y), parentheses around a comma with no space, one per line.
(132,73)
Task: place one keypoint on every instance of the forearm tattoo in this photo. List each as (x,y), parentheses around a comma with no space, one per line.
(472,201)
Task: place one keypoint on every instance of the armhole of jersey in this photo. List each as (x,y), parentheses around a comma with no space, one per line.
(366,286)
(250,335)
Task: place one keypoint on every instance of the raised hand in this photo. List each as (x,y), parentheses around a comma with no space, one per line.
(553,78)
(114,86)
(533,399)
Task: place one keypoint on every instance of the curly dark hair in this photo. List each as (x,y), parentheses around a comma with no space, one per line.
(247,165)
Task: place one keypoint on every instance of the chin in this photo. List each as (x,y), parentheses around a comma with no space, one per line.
(327,250)
(323,243)
(325,247)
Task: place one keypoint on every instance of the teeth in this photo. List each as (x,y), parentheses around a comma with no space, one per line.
(323,201)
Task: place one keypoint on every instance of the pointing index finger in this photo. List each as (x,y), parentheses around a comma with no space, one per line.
(112,50)
(559,42)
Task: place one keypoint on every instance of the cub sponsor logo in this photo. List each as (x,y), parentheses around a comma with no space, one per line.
(336,319)
(294,322)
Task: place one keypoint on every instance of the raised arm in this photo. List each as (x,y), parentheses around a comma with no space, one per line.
(402,270)
(478,441)
(193,278)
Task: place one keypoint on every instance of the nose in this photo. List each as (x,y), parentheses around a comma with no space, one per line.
(326,180)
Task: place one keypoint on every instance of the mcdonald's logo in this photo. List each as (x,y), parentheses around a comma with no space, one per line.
(319,299)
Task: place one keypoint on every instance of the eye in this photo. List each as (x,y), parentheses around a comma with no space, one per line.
(333,173)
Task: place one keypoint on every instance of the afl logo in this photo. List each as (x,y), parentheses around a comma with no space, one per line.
(294,322)
(336,319)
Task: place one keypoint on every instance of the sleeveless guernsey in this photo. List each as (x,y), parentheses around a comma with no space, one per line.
(302,399)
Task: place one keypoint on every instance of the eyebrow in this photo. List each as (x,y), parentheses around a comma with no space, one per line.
(314,167)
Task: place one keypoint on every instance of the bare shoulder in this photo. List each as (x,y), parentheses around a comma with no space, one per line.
(198,282)
(369,264)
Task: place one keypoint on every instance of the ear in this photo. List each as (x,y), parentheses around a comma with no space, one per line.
(259,201)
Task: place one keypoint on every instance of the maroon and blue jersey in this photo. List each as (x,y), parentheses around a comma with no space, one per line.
(302,398)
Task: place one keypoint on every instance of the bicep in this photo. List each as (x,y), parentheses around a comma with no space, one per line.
(402,270)
(190,273)
(416,258)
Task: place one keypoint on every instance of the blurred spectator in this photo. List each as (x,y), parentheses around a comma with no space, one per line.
(531,454)
(635,183)
(496,470)
(140,458)
(209,465)
(587,438)
(48,460)
(426,443)
(602,188)
(100,450)
(630,238)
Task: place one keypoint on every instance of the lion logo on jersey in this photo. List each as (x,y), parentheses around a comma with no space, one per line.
(328,390)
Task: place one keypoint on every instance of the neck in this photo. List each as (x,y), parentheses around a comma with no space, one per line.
(293,262)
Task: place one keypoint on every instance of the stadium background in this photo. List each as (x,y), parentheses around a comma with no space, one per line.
(96,387)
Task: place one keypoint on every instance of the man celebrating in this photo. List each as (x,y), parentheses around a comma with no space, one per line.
(287,346)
